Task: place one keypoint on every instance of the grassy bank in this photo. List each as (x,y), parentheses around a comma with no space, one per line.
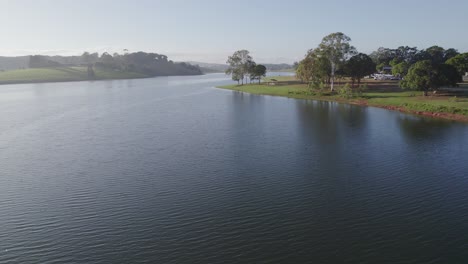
(62,74)
(385,94)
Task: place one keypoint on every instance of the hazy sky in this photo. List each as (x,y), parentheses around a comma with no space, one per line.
(209,30)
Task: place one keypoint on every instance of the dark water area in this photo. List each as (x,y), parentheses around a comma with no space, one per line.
(173,170)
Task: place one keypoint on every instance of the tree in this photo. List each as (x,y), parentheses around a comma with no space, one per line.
(425,76)
(239,64)
(86,57)
(107,59)
(250,71)
(450,53)
(447,75)
(236,75)
(257,72)
(337,48)
(39,61)
(460,62)
(304,71)
(359,66)
(386,56)
(421,77)
(405,54)
(315,67)
(295,65)
(382,56)
(401,69)
(380,66)
(437,55)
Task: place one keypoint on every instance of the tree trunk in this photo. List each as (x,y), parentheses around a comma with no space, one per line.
(332,76)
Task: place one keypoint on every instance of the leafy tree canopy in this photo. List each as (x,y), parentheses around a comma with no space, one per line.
(359,66)
(424,76)
(460,62)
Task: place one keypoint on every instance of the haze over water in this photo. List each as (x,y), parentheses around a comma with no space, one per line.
(173,170)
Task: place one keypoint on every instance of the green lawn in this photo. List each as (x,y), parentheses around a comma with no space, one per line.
(415,102)
(62,74)
(411,101)
(279,78)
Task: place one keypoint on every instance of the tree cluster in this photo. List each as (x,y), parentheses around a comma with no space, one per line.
(242,67)
(427,69)
(151,64)
(335,56)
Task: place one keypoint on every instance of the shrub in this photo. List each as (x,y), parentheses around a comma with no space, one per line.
(346,91)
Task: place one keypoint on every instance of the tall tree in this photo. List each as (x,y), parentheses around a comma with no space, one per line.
(382,56)
(239,64)
(257,72)
(450,53)
(406,54)
(107,59)
(401,69)
(86,57)
(420,77)
(315,67)
(460,62)
(304,70)
(337,49)
(436,55)
(425,76)
(359,66)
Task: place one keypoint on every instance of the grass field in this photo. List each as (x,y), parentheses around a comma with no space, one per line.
(384,94)
(62,74)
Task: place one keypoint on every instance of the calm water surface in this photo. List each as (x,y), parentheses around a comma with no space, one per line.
(173,170)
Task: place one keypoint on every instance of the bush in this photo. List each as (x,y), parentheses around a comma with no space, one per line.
(346,91)
(360,90)
(316,88)
(363,87)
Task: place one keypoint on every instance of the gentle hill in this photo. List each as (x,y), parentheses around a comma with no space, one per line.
(62,74)
(13,63)
(90,66)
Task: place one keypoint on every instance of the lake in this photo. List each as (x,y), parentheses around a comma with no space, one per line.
(174,170)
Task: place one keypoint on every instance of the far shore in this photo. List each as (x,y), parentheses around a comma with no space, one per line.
(382,94)
(65,74)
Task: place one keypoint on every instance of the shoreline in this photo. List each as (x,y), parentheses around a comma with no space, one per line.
(84,80)
(361,102)
(402,109)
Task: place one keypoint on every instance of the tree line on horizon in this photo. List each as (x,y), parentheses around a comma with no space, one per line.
(150,64)
(424,70)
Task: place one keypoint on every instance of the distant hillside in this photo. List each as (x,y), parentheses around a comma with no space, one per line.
(215,67)
(13,63)
(63,74)
(278,67)
(90,66)
(210,67)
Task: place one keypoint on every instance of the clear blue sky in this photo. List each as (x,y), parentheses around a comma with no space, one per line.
(209,30)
